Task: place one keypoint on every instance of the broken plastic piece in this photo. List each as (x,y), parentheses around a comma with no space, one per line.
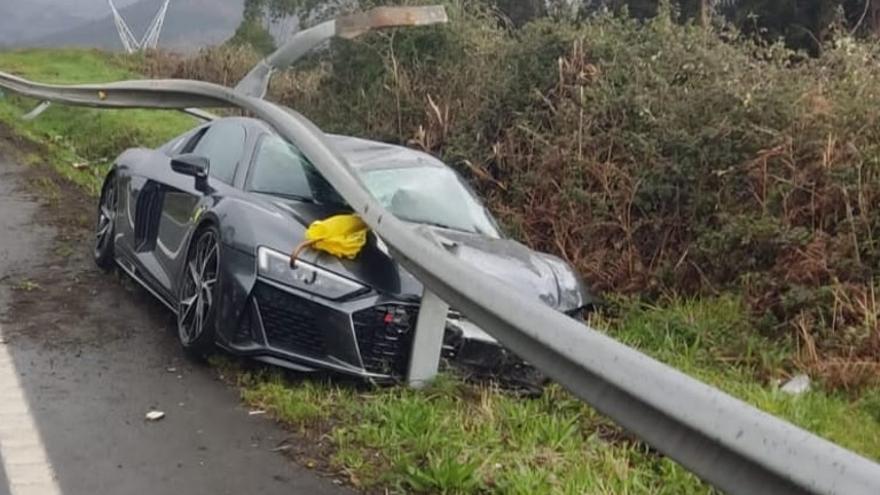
(798,385)
(155,415)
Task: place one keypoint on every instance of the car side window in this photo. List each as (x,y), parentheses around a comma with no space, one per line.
(223,145)
(185,141)
(279,169)
(189,144)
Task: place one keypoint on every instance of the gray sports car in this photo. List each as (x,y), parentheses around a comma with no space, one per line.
(207,224)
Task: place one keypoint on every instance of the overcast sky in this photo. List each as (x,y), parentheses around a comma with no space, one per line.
(84,8)
(26,19)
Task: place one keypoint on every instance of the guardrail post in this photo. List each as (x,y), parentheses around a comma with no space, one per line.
(428,340)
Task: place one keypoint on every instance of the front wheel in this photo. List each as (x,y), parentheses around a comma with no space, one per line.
(105,228)
(198,295)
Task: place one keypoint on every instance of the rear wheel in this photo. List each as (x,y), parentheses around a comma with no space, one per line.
(105,228)
(197,301)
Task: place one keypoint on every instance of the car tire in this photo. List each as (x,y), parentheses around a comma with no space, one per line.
(198,293)
(105,229)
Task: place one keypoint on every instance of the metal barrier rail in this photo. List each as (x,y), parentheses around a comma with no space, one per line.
(726,442)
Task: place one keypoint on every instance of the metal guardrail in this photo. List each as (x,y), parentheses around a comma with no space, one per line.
(726,442)
(256,82)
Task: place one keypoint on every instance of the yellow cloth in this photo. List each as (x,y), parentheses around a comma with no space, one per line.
(342,236)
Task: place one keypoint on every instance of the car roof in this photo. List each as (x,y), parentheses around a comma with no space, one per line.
(364,154)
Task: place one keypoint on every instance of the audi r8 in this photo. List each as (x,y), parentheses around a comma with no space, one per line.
(207,224)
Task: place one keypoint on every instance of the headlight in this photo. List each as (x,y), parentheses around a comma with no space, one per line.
(310,278)
(572,292)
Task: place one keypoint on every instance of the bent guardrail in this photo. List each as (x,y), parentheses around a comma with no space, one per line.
(256,82)
(725,441)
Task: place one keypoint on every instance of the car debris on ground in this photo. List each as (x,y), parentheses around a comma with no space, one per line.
(155,415)
(798,385)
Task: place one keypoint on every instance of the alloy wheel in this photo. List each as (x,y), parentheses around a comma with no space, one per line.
(197,290)
(106,218)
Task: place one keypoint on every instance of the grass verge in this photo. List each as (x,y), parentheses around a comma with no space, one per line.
(81,143)
(466,438)
(457,437)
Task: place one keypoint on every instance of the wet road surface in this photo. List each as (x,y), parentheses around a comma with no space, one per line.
(93,353)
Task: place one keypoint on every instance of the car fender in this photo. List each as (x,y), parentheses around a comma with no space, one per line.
(244,225)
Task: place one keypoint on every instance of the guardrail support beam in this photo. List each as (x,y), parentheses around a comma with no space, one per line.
(428,340)
(37,111)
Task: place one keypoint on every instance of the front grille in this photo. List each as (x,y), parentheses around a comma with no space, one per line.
(385,335)
(289,321)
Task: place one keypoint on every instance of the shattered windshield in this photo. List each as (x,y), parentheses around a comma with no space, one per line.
(430,195)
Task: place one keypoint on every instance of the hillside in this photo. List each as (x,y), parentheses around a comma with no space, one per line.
(190,25)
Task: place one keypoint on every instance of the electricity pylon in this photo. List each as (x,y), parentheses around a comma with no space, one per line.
(151,38)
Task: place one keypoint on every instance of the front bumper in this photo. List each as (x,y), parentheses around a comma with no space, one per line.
(370,336)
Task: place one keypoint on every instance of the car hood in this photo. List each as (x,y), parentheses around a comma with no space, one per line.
(373,266)
(545,277)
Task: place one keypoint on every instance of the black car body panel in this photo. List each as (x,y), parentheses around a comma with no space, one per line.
(368,333)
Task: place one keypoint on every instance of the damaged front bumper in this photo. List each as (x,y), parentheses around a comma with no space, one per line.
(370,337)
(472,351)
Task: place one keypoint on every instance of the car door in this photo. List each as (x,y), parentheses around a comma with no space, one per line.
(146,177)
(223,144)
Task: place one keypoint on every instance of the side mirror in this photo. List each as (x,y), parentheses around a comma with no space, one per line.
(195,166)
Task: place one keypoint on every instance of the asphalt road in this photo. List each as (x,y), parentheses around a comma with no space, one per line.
(89,354)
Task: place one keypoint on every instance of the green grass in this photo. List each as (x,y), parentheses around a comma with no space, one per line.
(460,438)
(65,66)
(456,437)
(74,135)
(713,340)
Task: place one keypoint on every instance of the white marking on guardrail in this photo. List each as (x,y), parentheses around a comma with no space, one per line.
(25,462)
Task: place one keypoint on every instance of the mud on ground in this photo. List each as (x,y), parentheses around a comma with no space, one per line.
(64,285)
